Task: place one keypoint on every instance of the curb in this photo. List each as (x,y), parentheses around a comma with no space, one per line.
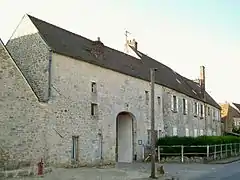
(225,162)
(21,173)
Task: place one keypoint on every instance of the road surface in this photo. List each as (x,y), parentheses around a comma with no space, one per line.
(227,172)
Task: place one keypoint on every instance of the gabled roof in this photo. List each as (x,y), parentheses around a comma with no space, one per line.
(72,45)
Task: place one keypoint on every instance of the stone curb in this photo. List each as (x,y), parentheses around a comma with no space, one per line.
(159,178)
(21,173)
(225,162)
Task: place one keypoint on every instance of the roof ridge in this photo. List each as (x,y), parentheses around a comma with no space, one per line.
(75,34)
(30,16)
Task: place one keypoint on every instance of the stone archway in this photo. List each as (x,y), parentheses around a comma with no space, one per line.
(125,137)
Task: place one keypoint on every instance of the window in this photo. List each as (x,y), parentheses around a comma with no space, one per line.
(187,132)
(146,97)
(209,111)
(159,100)
(174,103)
(195,109)
(201,132)
(175,131)
(149,133)
(209,132)
(93,109)
(185,106)
(75,147)
(202,114)
(217,115)
(160,134)
(148,136)
(195,132)
(214,114)
(94,87)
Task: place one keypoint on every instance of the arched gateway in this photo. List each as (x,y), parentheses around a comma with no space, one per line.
(125,137)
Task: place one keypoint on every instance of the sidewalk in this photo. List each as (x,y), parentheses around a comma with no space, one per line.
(124,171)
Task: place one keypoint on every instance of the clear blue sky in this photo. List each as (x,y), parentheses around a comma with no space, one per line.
(182,34)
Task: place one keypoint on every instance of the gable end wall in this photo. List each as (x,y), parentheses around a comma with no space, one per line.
(31,54)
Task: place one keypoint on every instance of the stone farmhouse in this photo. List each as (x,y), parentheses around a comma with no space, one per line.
(81,101)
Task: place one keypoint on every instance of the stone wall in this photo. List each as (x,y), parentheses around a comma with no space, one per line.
(71,105)
(188,121)
(22,118)
(31,55)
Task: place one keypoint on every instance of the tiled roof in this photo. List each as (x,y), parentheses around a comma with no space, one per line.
(72,45)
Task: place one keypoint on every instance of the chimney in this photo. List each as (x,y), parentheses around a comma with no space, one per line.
(133,43)
(202,80)
(98,48)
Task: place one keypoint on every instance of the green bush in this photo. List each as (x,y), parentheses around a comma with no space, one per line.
(192,141)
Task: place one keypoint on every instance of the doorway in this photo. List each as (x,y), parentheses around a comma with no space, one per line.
(124,137)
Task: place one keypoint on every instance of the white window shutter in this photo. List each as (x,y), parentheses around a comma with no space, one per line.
(187,132)
(193,108)
(186,106)
(197,108)
(172,103)
(177,103)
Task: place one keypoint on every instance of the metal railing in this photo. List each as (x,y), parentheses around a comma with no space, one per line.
(207,151)
(217,151)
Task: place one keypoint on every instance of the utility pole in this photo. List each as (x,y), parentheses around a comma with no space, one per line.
(153,140)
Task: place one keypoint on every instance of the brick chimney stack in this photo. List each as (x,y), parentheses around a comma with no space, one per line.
(202,80)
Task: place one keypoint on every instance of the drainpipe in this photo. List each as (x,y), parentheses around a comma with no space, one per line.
(101,145)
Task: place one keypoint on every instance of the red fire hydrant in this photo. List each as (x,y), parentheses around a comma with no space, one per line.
(40,167)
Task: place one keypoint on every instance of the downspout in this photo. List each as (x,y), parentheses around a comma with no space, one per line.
(101,146)
(205,118)
(49,74)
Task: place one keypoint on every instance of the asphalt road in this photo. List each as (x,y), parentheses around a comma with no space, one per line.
(228,172)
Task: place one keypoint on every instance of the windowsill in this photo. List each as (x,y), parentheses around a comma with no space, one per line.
(201,117)
(174,111)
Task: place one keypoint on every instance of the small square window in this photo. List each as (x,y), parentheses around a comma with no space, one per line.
(159,100)
(94,87)
(93,109)
(146,97)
